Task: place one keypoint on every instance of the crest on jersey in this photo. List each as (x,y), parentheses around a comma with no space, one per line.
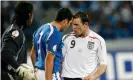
(90,45)
(54,48)
(15,34)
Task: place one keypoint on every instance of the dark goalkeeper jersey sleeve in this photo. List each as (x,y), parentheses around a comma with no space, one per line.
(9,49)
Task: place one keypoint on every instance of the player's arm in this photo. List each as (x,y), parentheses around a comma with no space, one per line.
(101,69)
(33,55)
(8,51)
(49,62)
(64,42)
(64,49)
(51,47)
(102,54)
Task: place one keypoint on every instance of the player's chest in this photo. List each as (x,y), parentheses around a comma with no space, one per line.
(82,45)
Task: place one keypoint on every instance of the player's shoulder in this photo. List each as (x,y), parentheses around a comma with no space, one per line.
(53,32)
(95,35)
(68,36)
(12,32)
(12,28)
(53,29)
(45,28)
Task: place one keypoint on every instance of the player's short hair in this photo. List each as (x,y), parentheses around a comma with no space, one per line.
(62,14)
(22,11)
(82,15)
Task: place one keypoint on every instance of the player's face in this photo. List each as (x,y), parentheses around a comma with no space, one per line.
(66,25)
(31,16)
(78,27)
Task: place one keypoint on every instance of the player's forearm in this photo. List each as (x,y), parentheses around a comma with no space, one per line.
(100,71)
(33,59)
(48,71)
(9,59)
(8,53)
(49,66)
(33,56)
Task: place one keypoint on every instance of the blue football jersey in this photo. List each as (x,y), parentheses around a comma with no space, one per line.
(48,38)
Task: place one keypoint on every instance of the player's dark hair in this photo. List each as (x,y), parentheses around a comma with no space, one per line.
(82,15)
(22,11)
(62,14)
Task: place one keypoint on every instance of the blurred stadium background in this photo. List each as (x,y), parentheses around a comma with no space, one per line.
(113,20)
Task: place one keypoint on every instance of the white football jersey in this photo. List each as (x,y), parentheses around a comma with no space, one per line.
(82,56)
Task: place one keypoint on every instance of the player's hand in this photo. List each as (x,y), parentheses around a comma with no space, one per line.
(26,72)
(90,77)
(35,70)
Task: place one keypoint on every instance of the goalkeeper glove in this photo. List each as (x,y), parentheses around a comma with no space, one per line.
(26,72)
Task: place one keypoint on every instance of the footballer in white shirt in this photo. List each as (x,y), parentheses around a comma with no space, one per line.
(84,51)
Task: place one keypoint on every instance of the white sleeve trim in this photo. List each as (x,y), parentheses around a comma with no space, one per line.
(51,30)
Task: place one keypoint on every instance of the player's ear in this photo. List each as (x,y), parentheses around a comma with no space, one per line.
(86,24)
(30,15)
(65,21)
(30,18)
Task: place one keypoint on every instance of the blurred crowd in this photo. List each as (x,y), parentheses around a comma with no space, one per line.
(111,19)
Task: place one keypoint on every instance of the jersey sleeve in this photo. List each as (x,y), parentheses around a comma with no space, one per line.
(9,49)
(64,49)
(102,52)
(52,43)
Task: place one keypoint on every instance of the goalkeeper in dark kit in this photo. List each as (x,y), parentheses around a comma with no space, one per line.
(14,51)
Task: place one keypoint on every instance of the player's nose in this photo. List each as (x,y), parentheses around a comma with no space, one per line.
(74,27)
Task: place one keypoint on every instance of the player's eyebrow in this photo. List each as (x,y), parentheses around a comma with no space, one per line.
(75,24)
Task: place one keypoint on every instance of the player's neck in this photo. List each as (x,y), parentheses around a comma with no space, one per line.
(56,24)
(86,33)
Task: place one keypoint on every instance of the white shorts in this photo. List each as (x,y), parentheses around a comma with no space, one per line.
(41,75)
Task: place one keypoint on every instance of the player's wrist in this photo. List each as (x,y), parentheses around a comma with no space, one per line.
(35,69)
(96,76)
